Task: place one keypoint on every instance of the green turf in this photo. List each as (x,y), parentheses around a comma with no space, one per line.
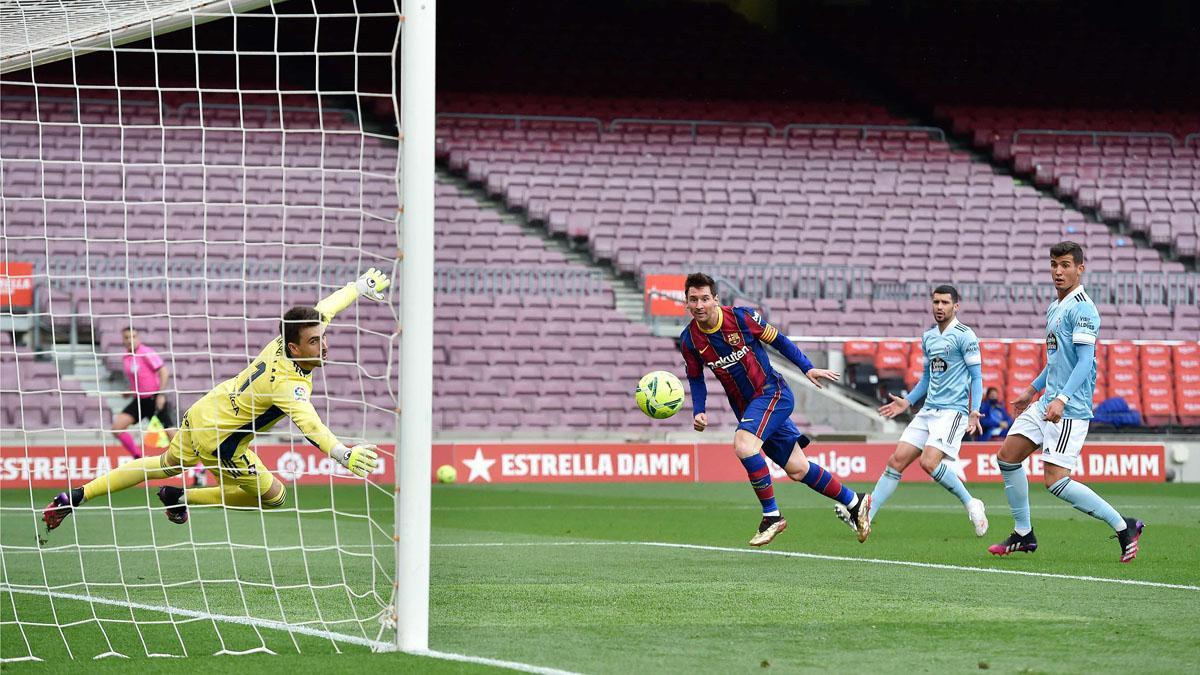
(569,586)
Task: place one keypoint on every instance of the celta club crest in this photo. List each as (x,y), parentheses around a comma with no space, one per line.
(1051,342)
(734,339)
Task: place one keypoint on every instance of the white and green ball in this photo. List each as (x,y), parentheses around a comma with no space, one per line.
(659,394)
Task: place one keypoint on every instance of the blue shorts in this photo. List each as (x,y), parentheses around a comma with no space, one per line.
(769,418)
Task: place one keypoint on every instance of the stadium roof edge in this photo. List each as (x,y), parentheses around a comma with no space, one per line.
(115,22)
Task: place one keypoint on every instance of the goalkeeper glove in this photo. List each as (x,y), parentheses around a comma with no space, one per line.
(360,460)
(372,284)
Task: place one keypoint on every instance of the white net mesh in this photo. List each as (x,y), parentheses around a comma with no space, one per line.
(193,186)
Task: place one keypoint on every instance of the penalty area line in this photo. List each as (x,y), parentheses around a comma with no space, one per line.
(839,558)
(376,645)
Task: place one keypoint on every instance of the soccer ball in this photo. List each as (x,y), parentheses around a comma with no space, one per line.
(659,394)
(446,474)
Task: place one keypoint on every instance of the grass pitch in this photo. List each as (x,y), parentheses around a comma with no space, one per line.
(614,578)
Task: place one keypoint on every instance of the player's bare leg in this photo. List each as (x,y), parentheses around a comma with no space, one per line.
(747,447)
(858,506)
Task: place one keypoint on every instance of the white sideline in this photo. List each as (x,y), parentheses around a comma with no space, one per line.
(838,558)
(290,628)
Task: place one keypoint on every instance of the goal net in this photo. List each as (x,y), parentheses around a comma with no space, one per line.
(189,170)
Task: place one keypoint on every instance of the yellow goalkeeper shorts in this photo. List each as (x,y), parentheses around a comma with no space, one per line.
(243,467)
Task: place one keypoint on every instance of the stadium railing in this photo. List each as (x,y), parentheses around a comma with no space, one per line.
(1095,135)
(518,119)
(517,280)
(693,125)
(867,129)
(849,282)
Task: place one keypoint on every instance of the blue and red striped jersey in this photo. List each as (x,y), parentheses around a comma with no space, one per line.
(735,352)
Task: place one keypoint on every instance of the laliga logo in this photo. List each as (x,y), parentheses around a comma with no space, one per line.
(290,465)
(842,466)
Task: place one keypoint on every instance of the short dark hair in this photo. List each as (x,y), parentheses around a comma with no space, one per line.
(127,329)
(990,390)
(699,280)
(1068,247)
(946,289)
(295,320)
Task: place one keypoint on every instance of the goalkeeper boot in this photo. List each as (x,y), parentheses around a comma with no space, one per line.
(58,509)
(171,497)
(860,516)
(1015,542)
(1128,538)
(767,529)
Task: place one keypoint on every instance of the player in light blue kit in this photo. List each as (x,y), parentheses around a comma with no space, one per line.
(1058,421)
(953,388)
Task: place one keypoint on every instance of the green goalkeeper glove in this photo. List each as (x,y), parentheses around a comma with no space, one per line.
(372,284)
(360,460)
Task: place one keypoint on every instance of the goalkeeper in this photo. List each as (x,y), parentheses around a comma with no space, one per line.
(217,430)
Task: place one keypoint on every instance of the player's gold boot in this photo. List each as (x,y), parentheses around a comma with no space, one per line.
(767,529)
(860,516)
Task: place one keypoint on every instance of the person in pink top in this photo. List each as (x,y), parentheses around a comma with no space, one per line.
(148,377)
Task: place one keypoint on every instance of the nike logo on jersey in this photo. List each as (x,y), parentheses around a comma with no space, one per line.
(747,419)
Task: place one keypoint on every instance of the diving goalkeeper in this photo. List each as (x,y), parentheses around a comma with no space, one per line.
(218,428)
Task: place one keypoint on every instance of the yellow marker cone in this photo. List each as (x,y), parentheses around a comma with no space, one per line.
(156,435)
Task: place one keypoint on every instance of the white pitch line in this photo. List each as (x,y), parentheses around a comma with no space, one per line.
(376,645)
(837,558)
(225,618)
(511,665)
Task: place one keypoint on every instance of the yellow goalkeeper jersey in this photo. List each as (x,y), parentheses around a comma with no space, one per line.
(266,391)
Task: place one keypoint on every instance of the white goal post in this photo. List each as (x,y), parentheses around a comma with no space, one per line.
(190,169)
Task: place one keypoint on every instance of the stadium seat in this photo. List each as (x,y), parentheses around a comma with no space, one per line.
(860,351)
(1123,357)
(891,359)
(916,370)
(1026,355)
(1158,406)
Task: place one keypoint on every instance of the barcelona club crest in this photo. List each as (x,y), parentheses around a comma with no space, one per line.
(734,339)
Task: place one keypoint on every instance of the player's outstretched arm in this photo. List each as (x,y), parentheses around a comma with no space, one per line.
(899,405)
(292,397)
(370,285)
(785,346)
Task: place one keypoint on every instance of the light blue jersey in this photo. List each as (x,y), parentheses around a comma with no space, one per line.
(948,354)
(1069,322)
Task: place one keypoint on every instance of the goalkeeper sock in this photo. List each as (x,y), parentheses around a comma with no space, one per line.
(1016,489)
(1084,499)
(950,480)
(884,487)
(827,484)
(126,476)
(126,439)
(226,496)
(760,480)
